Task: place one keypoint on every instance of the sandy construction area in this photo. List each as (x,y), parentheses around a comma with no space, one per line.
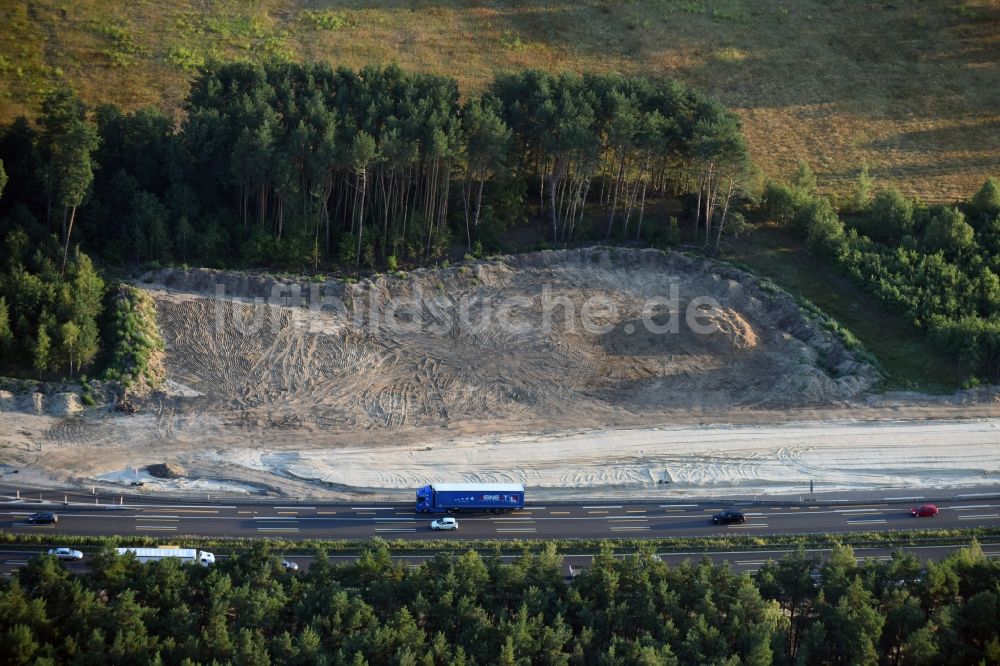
(700,461)
(585,370)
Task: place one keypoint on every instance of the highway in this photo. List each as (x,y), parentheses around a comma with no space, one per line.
(174,520)
(742,561)
(599,520)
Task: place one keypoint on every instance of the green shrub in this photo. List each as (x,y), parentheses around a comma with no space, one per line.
(324,20)
(133,340)
(185,58)
(123,49)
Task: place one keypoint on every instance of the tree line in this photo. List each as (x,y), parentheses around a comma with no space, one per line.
(938,264)
(304,165)
(475,609)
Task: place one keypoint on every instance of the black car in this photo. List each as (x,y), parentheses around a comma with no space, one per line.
(726,517)
(43,518)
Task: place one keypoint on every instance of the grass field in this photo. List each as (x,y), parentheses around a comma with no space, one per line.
(910,87)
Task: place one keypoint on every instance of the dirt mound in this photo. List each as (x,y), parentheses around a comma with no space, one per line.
(166,471)
(532,338)
(39,398)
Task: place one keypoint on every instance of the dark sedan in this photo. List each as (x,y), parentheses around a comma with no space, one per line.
(727,517)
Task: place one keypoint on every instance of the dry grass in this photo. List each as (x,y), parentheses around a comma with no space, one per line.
(909,87)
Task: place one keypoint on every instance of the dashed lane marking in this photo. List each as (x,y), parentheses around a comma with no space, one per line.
(151,517)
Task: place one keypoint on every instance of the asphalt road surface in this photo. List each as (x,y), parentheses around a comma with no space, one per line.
(600,520)
(749,561)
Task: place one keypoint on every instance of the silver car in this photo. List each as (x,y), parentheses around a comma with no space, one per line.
(66,553)
(448,523)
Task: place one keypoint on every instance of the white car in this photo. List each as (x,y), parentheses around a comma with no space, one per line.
(289,565)
(444,524)
(66,553)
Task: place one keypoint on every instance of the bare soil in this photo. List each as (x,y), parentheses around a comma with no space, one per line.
(260,393)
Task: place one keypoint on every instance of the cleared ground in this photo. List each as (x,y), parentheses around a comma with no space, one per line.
(909,87)
(546,368)
(547,338)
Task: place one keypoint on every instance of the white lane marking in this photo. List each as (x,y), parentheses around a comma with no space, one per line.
(889,499)
(746,562)
(167,506)
(534,508)
(522,529)
(155,528)
(394,520)
(629,529)
(395,529)
(508,520)
(677,506)
(979,495)
(616,506)
(293,508)
(865,522)
(970,506)
(856,511)
(276,518)
(982,515)
(277,529)
(373,508)
(155,517)
(747,526)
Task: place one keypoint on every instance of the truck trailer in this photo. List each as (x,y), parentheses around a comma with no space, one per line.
(470,497)
(185,555)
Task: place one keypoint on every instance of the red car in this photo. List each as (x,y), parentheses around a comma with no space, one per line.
(924,511)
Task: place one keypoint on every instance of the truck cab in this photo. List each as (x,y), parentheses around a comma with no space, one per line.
(425,499)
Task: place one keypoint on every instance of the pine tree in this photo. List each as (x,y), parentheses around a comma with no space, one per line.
(41,357)
(69,141)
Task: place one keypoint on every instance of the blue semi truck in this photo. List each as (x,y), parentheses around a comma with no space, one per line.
(470,497)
